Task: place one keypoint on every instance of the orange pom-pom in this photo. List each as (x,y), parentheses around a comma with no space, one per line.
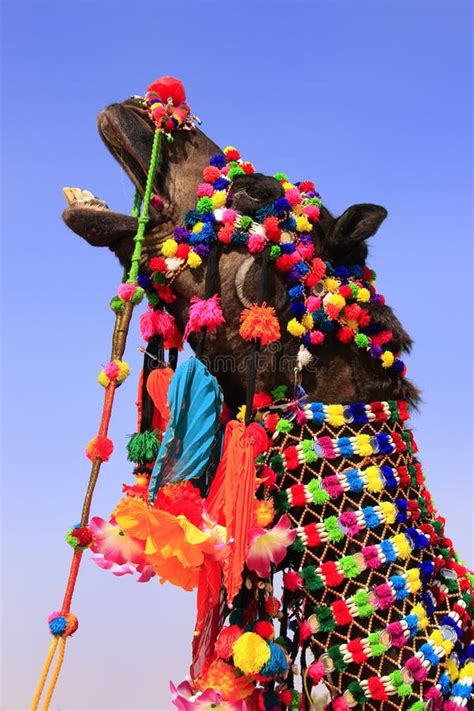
(99,448)
(259,322)
(264,513)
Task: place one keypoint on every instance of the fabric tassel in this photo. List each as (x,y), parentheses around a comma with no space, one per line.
(204,313)
(157,323)
(232,493)
(157,386)
(259,323)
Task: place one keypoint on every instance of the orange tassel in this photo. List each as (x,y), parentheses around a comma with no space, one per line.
(157,386)
(259,323)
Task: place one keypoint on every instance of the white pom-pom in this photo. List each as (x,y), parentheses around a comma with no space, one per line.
(303,358)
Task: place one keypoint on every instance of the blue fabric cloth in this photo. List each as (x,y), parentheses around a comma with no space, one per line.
(195,402)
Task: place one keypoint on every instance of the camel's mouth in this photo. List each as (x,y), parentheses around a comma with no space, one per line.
(128,134)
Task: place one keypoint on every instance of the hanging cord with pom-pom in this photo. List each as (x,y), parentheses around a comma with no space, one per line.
(101,453)
(252,374)
(211,287)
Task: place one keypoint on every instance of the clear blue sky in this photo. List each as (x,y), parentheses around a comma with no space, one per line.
(373,102)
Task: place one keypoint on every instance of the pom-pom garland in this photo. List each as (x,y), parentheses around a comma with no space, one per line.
(324,298)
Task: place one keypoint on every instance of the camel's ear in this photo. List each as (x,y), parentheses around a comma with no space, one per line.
(352,228)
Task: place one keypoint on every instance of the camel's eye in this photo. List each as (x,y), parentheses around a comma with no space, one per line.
(255,193)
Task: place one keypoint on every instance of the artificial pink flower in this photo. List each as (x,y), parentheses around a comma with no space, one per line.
(109,541)
(184,700)
(269,546)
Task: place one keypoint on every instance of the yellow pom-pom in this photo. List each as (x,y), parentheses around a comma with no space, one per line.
(286,185)
(198,227)
(336,415)
(194,260)
(295,328)
(169,248)
(437,638)
(363,442)
(389,511)
(331,284)
(219,198)
(303,224)
(387,359)
(400,541)
(264,512)
(363,295)
(124,370)
(467,671)
(337,300)
(241,413)
(419,611)
(250,653)
(308,321)
(374,480)
(102,379)
(413,579)
(452,669)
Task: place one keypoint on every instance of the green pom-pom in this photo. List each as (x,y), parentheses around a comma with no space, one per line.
(117,304)
(314,201)
(279,392)
(143,447)
(320,495)
(245,222)
(284,426)
(205,204)
(325,617)
(137,298)
(159,278)
(153,299)
(312,579)
(417,706)
(234,172)
(357,692)
(336,656)
(281,501)
(361,600)
(308,452)
(349,567)
(277,463)
(377,648)
(281,176)
(297,546)
(295,699)
(275,251)
(361,340)
(332,529)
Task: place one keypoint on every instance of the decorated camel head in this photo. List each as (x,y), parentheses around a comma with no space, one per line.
(339,370)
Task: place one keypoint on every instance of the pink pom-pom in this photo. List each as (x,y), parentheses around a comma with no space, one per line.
(306,250)
(313,303)
(111,370)
(225,169)
(126,291)
(312,211)
(316,338)
(164,323)
(291,580)
(256,243)
(305,631)
(205,189)
(229,216)
(340,704)
(147,325)
(293,196)
(204,313)
(316,671)
(157,202)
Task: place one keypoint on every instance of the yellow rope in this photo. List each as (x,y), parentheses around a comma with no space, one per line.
(44,673)
(55,676)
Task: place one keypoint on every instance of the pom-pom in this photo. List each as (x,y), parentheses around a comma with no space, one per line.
(295,328)
(194,260)
(316,671)
(292,581)
(169,247)
(211,173)
(361,340)
(143,447)
(250,653)
(264,513)
(387,359)
(158,264)
(62,625)
(303,357)
(345,334)
(227,637)
(259,322)
(231,153)
(117,304)
(99,447)
(262,400)
(264,629)
(204,313)
(318,268)
(256,243)
(79,537)
(305,631)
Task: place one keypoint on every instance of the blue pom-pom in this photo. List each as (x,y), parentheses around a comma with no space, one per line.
(287,247)
(289,224)
(281,206)
(191,217)
(427,568)
(341,272)
(264,212)
(297,308)
(57,625)
(239,237)
(296,292)
(371,518)
(144,281)
(388,550)
(208,217)
(277,663)
(219,160)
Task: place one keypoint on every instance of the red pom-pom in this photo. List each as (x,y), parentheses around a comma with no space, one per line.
(271,421)
(83,536)
(165,293)
(211,174)
(305,631)
(158,264)
(258,438)
(272,230)
(345,291)
(286,262)
(268,477)
(227,637)
(231,154)
(264,629)
(306,186)
(319,267)
(292,581)
(183,251)
(286,697)
(364,319)
(351,312)
(272,606)
(306,250)
(248,168)
(345,334)
(99,448)
(169,88)
(225,233)
(262,400)
(312,280)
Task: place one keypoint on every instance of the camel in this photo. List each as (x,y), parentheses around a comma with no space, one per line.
(365,609)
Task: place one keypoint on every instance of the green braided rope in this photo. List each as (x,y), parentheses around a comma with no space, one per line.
(143,218)
(137,202)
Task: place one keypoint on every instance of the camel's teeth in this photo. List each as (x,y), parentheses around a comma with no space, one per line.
(76,196)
